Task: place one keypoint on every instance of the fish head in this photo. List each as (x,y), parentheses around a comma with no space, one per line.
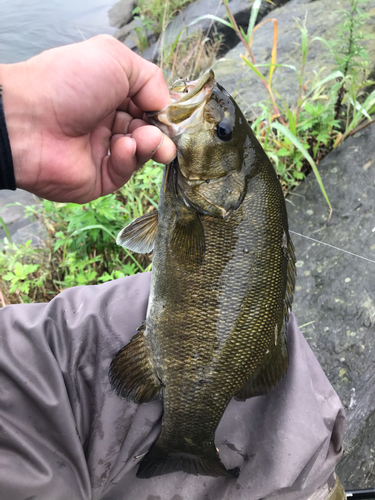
(213,141)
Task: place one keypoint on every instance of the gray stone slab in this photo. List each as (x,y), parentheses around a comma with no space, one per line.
(127,34)
(12,214)
(34,232)
(121,13)
(335,292)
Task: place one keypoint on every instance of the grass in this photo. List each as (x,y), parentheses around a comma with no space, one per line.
(191,56)
(153,17)
(156,14)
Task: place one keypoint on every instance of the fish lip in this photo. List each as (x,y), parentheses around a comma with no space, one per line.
(199,91)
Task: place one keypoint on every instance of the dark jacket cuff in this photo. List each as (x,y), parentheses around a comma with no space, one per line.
(7,179)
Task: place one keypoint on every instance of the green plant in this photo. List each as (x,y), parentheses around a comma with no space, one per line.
(143,29)
(191,55)
(352,60)
(21,277)
(356,112)
(291,140)
(351,56)
(153,17)
(22,269)
(81,243)
(4,226)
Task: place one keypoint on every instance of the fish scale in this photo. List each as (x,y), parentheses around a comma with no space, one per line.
(222,284)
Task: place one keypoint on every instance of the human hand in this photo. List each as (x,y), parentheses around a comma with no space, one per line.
(66,107)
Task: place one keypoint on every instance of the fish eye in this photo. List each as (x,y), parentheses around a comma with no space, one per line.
(224,131)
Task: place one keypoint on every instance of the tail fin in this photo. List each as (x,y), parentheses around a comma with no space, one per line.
(158,462)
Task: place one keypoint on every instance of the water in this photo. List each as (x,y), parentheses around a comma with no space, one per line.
(27,27)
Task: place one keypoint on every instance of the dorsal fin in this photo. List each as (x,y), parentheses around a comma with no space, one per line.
(291,277)
(139,236)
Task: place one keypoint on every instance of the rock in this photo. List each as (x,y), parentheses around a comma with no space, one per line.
(121,13)
(236,76)
(240,9)
(14,215)
(34,232)
(128,35)
(335,292)
(21,228)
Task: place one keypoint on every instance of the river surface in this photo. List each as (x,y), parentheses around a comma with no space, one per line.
(27,27)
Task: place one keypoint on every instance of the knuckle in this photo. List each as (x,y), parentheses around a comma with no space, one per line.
(104,39)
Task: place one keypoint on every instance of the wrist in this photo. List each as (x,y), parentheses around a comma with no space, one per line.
(19,124)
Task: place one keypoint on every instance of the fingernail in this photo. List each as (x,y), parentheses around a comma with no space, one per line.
(161,142)
(135,146)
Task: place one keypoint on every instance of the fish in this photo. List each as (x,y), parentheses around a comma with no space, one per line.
(222,285)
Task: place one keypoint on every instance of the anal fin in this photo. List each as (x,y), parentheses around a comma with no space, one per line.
(269,373)
(131,372)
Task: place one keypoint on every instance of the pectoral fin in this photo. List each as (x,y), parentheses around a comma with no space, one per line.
(188,237)
(139,236)
(131,372)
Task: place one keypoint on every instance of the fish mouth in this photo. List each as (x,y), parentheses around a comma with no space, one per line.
(188,100)
(183,91)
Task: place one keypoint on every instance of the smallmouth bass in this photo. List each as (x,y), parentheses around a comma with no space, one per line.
(222,282)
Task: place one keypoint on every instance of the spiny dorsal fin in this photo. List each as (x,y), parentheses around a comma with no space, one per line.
(131,372)
(188,237)
(139,236)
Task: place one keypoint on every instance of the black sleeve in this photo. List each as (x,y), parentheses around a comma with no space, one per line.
(65,435)
(7,179)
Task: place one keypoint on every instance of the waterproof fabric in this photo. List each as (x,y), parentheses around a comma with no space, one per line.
(65,435)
